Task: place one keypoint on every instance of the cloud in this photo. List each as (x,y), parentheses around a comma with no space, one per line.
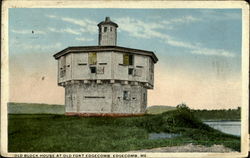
(66,30)
(181,20)
(140,29)
(27,31)
(87,25)
(220,16)
(214,52)
(51,16)
(28,46)
(83,39)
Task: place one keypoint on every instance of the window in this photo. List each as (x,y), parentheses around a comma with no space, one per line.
(131,59)
(139,66)
(92,58)
(105,29)
(110,29)
(125,95)
(94,97)
(92,69)
(130,71)
(82,64)
(128,59)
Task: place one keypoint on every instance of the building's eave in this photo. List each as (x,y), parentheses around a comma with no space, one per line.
(82,49)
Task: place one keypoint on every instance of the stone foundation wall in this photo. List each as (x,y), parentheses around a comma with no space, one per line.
(105,98)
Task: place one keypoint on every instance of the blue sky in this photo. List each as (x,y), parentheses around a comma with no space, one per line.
(196,42)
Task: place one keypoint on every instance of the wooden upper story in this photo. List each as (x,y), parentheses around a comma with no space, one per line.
(106,63)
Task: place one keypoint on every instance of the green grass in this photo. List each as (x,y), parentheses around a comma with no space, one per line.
(158,109)
(35,108)
(59,133)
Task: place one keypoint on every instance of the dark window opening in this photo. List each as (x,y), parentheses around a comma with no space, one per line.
(93,69)
(82,64)
(130,71)
(102,63)
(125,95)
(105,29)
(139,66)
(131,59)
(94,97)
(110,29)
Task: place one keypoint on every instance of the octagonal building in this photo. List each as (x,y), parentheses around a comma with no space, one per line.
(105,79)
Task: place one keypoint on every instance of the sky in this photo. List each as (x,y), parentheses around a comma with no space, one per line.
(199,51)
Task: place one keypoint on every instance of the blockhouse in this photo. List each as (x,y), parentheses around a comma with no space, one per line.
(106,79)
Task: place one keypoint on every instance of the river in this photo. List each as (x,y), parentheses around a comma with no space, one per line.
(229,127)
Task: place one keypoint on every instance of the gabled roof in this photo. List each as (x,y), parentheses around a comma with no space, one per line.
(86,49)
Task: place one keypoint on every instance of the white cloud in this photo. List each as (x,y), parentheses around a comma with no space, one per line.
(66,30)
(141,29)
(39,46)
(27,31)
(214,52)
(51,16)
(69,30)
(181,20)
(180,44)
(83,39)
(87,25)
(220,16)
(74,21)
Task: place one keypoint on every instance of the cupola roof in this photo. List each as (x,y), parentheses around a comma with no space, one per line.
(107,21)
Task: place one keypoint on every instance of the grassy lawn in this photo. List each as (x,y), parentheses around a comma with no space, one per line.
(59,133)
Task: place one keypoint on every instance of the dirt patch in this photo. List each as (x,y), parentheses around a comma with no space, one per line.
(189,148)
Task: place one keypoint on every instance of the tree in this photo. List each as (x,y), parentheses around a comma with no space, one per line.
(182,106)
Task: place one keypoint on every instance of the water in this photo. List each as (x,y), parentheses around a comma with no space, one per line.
(162,135)
(229,127)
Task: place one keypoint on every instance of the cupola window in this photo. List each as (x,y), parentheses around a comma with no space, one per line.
(105,29)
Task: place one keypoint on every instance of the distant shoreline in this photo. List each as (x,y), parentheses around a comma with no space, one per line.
(218,120)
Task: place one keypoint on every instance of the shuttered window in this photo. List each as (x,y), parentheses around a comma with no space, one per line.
(128,59)
(92,58)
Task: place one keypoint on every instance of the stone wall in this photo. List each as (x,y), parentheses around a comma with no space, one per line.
(105,98)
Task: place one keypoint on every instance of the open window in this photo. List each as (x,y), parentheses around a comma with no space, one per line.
(105,29)
(128,59)
(130,71)
(93,70)
(126,95)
